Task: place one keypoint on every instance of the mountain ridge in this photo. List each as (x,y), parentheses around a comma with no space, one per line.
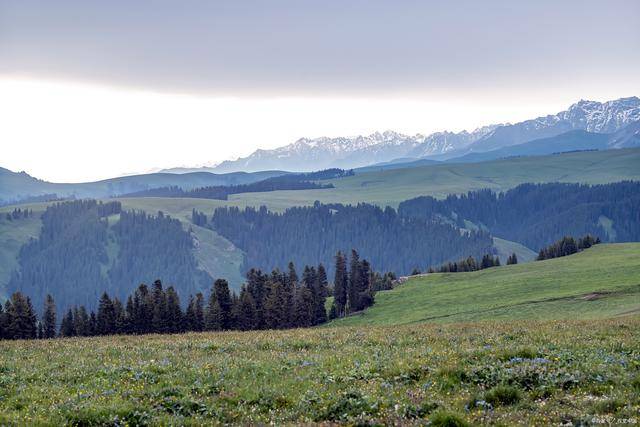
(378,147)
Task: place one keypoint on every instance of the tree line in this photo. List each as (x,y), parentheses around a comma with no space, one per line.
(276,300)
(18,213)
(302,181)
(472,264)
(315,233)
(567,246)
(536,215)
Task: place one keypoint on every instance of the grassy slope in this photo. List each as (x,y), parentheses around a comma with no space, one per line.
(507,247)
(384,187)
(551,289)
(400,375)
(390,187)
(215,254)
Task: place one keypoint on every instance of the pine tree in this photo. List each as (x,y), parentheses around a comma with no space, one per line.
(93,324)
(320,296)
(22,321)
(340,285)
(365,295)
(246,311)
(199,308)
(159,322)
(513,259)
(190,315)
(106,319)
(213,320)
(81,322)
(293,276)
(257,287)
(223,298)
(49,324)
(120,320)
(3,323)
(67,328)
(174,312)
(274,307)
(354,279)
(304,309)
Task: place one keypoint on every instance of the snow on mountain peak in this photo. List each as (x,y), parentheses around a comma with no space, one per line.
(307,154)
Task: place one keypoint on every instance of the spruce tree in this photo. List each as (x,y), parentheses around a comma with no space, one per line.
(340,284)
(106,319)
(353,285)
(81,322)
(159,322)
(22,319)
(174,312)
(320,294)
(199,309)
(3,323)
(223,297)
(49,324)
(305,308)
(120,321)
(293,276)
(67,327)
(246,311)
(190,315)
(274,307)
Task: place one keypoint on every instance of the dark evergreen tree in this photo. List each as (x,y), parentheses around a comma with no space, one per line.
(120,319)
(4,322)
(246,311)
(49,324)
(106,319)
(82,322)
(67,327)
(340,285)
(22,320)
(174,312)
(275,312)
(160,318)
(199,308)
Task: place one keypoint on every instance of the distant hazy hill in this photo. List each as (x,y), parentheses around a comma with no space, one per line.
(18,185)
(574,140)
(353,152)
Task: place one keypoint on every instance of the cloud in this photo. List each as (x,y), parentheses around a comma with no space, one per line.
(333,47)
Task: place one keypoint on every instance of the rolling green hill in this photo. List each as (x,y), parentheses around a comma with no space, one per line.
(603,281)
(387,187)
(390,187)
(17,185)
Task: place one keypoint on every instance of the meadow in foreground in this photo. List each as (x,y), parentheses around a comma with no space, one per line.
(480,373)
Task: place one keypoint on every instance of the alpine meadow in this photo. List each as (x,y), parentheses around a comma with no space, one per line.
(344,213)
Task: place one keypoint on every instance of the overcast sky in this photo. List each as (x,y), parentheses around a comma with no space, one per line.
(92,89)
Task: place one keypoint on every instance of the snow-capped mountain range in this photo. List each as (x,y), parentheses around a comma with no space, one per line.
(308,154)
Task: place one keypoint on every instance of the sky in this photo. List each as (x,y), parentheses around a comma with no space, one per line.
(91,90)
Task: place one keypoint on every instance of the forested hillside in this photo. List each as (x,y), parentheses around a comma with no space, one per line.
(87,247)
(315,233)
(539,214)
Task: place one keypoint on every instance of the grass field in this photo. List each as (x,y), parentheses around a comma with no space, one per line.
(601,282)
(531,373)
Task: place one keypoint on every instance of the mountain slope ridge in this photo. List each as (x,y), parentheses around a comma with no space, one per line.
(360,151)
